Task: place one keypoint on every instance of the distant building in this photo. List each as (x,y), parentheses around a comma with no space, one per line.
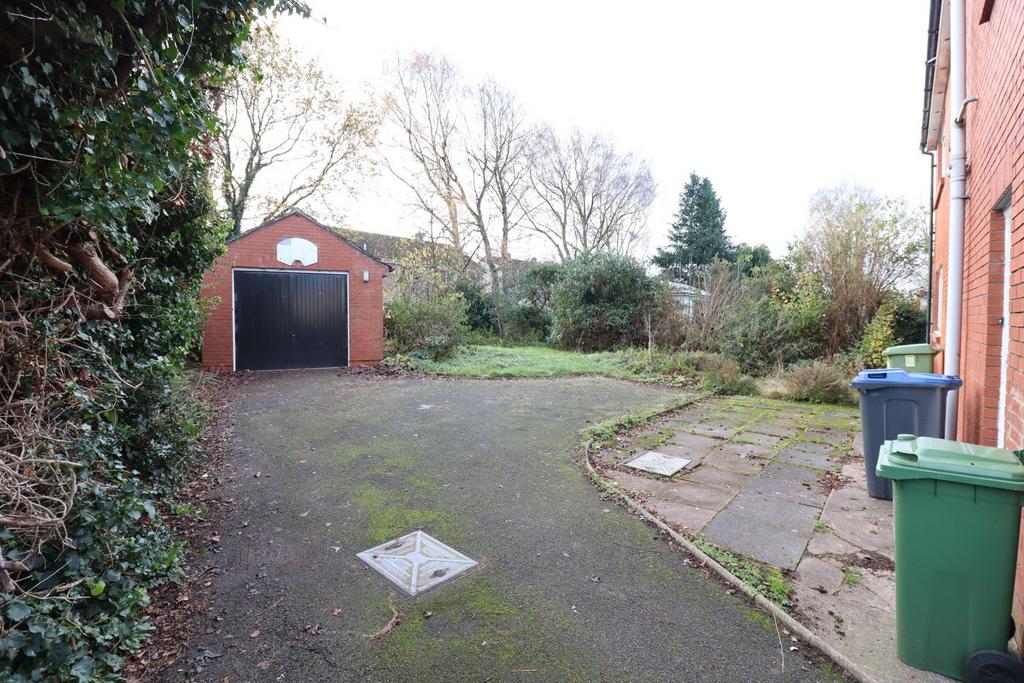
(393,249)
(685,295)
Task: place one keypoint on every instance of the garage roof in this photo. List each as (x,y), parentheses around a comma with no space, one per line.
(297,212)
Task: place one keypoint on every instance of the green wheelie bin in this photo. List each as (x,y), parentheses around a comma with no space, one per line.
(957,511)
(910,357)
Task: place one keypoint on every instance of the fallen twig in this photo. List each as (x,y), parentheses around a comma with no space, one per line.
(389,628)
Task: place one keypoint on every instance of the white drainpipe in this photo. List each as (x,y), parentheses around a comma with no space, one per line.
(957,200)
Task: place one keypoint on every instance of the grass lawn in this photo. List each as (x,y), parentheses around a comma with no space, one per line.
(533,361)
(709,373)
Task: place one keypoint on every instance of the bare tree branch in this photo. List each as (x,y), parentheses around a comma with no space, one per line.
(284,113)
(589,198)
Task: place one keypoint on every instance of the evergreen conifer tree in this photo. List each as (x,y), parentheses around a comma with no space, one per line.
(697,237)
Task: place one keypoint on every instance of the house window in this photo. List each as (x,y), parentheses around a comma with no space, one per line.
(940,309)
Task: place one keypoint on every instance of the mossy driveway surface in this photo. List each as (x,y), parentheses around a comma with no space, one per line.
(569,587)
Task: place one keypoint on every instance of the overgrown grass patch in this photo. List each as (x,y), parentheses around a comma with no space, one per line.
(767,580)
(524,361)
(710,372)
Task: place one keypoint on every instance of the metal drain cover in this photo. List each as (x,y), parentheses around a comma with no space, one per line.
(658,463)
(416,562)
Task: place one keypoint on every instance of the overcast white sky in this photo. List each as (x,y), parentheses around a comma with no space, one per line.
(770,100)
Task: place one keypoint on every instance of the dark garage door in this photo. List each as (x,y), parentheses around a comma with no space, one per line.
(290,320)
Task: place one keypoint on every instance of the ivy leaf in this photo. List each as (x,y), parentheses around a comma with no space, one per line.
(97,587)
(27,78)
(83,668)
(18,610)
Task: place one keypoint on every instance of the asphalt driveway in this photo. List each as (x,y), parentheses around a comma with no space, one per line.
(569,587)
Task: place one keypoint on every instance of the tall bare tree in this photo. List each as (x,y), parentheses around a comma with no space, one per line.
(289,137)
(496,152)
(423,106)
(465,161)
(589,197)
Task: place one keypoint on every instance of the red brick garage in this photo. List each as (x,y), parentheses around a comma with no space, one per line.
(293,294)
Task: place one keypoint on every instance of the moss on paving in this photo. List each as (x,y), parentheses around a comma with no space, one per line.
(603,434)
(512,491)
(767,580)
(389,514)
(476,624)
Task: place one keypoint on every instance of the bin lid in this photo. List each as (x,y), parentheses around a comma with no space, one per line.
(898,377)
(910,349)
(921,457)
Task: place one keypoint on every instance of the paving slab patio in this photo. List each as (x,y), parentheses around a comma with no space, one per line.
(784,484)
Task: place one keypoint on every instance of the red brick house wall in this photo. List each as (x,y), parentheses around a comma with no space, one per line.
(995,157)
(258,249)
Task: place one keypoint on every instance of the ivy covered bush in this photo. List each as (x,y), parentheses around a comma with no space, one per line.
(106,227)
(603,301)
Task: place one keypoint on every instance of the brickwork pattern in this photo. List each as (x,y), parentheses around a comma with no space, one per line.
(258,249)
(995,154)
(995,149)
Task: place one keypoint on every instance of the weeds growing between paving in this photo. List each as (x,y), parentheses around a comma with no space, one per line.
(766,580)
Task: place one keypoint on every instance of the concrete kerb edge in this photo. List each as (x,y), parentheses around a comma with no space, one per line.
(801,631)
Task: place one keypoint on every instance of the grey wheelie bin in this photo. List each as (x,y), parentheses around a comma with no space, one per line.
(893,402)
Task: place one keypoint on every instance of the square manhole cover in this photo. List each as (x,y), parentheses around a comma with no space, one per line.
(416,562)
(658,463)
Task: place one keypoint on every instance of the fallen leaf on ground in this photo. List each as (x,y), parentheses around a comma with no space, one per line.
(255,634)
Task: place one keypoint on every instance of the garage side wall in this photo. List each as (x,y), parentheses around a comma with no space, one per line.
(258,249)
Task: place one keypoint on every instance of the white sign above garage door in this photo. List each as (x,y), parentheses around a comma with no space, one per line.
(292,249)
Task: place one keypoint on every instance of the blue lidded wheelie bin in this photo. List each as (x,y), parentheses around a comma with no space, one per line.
(893,402)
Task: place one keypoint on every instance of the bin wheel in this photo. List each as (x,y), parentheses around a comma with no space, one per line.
(992,666)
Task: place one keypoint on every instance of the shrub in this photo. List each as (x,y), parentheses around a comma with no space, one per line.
(705,326)
(481,311)
(525,311)
(721,375)
(878,336)
(818,382)
(761,336)
(433,324)
(601,302)
(909,322)
(672,323)
(860,249)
